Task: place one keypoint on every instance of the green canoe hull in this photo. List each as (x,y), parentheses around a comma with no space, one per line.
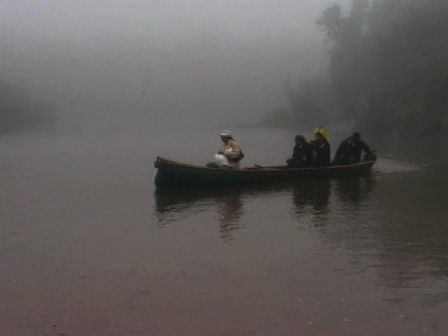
(176,174)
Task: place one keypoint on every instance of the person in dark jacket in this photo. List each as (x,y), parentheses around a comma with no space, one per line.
(321,156)
(302,154)
(351,149)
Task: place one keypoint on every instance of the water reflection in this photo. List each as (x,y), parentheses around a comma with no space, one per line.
(171,202)
(230,210)
(312,197)
(354,189)
(174,205)
(311,201)
(314,200)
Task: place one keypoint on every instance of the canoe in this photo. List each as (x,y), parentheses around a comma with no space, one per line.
(172,173)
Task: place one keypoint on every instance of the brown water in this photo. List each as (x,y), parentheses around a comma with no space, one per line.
(89,248)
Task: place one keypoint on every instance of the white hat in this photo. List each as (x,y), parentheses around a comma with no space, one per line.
(226,133)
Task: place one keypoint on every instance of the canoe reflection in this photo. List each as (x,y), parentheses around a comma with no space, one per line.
(310,200)
(312,197)
(316,202)
(174,205)
(354,189)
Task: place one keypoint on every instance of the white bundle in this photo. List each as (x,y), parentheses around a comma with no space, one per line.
(221,160)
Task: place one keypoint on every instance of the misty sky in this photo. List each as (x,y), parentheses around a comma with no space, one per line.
(197,54)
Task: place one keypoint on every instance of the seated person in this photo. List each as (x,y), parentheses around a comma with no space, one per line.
(231,149)
(350,150)
(302,154)
(321,155)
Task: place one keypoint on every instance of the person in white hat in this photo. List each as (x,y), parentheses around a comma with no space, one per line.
(231,149)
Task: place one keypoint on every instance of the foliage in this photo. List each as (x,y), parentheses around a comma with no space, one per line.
(388,70)
(20,111)
(388,64)
(310,101)
(279,117)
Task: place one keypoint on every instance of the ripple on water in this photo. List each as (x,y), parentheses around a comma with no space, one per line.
(390,166)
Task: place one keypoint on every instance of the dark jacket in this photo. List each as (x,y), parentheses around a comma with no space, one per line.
(350,151)
(302,155)
(321,156)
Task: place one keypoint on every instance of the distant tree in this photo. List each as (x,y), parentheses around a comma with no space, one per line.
(332,23)
(20,111)
(388,70)
(312,100)
(388,64)
(350,68)
(279,117)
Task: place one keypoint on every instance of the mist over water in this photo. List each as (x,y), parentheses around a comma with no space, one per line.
(176,61)
(88,246)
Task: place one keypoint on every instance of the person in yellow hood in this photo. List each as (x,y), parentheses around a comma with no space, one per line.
(321,154)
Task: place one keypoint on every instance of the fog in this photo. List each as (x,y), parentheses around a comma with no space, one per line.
(177,60)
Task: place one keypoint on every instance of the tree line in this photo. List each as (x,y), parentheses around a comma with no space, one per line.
(20,111)
(387,73)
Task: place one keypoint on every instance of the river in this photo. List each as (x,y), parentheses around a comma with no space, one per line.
(88,247)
